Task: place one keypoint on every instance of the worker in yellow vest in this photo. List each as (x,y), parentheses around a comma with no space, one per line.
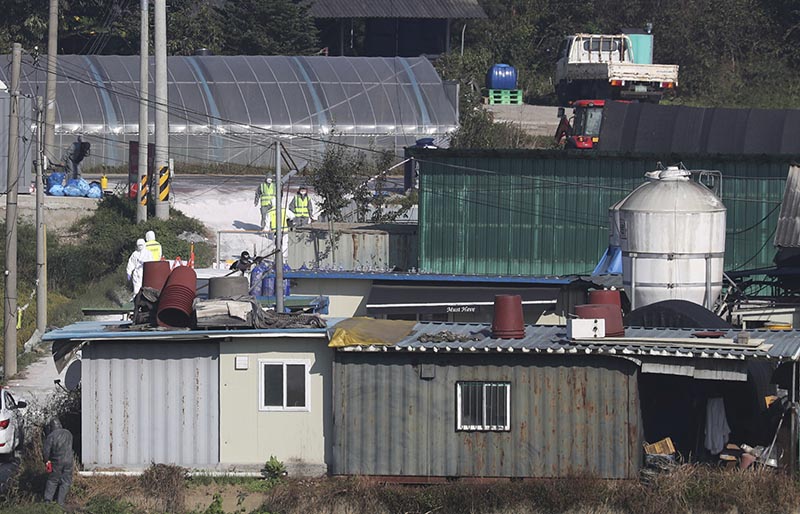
(265,197)
(302,208)
(152,245)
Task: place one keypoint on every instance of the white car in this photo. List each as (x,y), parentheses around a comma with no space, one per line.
(11,429)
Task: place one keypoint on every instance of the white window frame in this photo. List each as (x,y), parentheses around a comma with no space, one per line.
(484,427)
(283,362)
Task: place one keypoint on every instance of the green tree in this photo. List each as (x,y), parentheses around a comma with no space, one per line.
(268,27)
(194,24)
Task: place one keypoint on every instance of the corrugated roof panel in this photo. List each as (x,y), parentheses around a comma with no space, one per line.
(671,342)
(396,9)
(546,212)
(787,234)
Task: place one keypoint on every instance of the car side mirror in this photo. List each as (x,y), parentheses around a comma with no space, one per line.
(22,404)
(560,112)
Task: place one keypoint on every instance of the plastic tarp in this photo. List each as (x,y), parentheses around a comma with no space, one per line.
(610,263)
(370,332)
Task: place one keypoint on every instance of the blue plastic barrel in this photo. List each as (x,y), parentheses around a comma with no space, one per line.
(501,76)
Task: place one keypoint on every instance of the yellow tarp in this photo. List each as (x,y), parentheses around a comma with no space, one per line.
(368,331)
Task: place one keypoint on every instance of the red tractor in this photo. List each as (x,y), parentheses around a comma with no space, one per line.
(582,130)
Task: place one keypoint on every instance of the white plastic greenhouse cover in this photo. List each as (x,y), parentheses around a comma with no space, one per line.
(229,108)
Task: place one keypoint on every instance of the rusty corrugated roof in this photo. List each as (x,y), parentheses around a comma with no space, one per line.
(651,342)
(396,9)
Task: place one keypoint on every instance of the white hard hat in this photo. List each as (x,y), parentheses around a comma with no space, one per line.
(150,235)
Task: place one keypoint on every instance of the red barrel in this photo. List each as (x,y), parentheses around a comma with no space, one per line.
(508,322)
(176,303)
(605,296)
(607,311)
(154,274)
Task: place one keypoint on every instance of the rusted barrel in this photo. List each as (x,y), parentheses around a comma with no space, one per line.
(607,311)
(508,322)
(176,303)
(154,274)
(603,296)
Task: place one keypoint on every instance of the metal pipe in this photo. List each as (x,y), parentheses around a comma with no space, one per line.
(463,31)
(709,300)
(793,423)
(10,300)
(41,239)
(162,113)
(278,230)
(50,86)
(144,79)
(633,281)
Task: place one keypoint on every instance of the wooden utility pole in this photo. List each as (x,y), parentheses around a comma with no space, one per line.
(144,77)
(162,112)
(41,231)
(12,182)
(50,88)
(278,230)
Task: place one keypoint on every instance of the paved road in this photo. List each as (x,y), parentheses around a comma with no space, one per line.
(537,120)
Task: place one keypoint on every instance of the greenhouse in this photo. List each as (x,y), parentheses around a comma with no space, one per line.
(231,108)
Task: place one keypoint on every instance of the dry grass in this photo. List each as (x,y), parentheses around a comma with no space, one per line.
(691,489)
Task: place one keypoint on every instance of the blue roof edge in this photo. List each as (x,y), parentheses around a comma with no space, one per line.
(432,277)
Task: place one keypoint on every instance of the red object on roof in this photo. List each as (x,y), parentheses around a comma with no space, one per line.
(588,103)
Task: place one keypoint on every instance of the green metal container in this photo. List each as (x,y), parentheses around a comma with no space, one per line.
(546,212)
(642,46)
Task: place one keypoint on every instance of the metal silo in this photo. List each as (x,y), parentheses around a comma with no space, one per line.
(672,234)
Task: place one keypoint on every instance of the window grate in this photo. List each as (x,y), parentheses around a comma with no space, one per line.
(483,406)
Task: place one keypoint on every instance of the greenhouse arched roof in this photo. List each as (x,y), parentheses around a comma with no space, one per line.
(362,98)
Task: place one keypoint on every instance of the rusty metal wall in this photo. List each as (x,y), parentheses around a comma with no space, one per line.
(145,402)
(570,416)
(374,247)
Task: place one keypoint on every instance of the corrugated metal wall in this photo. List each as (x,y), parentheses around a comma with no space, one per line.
(569,416)
(150,402)
(546,212)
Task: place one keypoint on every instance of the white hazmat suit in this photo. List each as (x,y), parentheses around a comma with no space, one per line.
(136,264)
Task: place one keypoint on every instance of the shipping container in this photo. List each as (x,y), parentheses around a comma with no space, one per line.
(545,212)
(486,415)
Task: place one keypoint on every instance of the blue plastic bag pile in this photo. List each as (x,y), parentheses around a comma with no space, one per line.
(73,187)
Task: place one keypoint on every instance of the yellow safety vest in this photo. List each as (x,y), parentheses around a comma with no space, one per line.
(301,207)
(267,194)
(273,216)
(155,249)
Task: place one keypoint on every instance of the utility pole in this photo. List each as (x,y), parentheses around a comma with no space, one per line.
(10,300)
(41,232)
(144,77)
(50,88)
(278,230)
(162,113)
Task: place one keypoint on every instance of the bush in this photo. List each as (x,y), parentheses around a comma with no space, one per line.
(166,484)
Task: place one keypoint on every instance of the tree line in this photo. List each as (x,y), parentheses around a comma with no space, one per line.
(738,53)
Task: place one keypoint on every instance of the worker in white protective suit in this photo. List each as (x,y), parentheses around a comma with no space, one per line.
(136,264)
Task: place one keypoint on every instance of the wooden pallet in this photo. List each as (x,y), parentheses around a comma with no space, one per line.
(504,97)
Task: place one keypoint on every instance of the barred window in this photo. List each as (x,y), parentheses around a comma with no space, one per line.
(484,406)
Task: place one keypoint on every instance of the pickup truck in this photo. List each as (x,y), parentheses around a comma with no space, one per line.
(608,67)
